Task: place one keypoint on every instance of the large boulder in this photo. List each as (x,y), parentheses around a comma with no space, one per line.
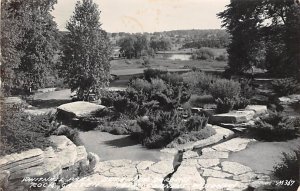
(79,109)
(66,150)
(20,161)
(241,116)
(17,169)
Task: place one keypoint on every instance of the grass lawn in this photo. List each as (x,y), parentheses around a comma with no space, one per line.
(133,66)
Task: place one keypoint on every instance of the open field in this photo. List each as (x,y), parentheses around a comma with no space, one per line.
(216,51)
(135,65)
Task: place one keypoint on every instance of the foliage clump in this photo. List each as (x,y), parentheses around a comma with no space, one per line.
(276,127)
(20,132)
(288,169)
(286,86)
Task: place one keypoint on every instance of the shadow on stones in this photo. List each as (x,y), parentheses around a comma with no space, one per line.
(41,104)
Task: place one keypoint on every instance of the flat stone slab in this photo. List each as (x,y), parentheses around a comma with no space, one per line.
(233,145)
(221,184)
(246,177)
(143,175)
(209,153)
(215,173)
(80,109)
(187,178)
(206,163)
(234,117)
(235,168)
(190,154)
(162,167)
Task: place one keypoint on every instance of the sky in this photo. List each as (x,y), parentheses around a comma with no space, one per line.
(149,15)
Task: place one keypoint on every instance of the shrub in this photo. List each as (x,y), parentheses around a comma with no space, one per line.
(224,105)
(108,98)
(247,90)
(223,88)
(173,79)
(200,101)
(158,85)
(199,81)
(222,57)
(286,86)
(20,132)
(120,127)
(70,133)
(196,123)
(146,62)
(288,169)
(276,127)
(153,73)
(240,103)
(203,54)
(141,85)
(160,129)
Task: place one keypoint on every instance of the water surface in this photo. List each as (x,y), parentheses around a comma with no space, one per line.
(113,147)
(262,156)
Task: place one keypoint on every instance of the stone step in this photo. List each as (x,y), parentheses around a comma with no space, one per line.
(233,117)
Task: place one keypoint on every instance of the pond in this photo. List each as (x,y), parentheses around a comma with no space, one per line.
(114,147)
(262,156)
(171,56)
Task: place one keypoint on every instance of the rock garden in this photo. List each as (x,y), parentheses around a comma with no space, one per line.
(195,123)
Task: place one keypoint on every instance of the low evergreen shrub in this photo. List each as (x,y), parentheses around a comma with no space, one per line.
(276,127)
(20,132)
(288,171)
(286,86)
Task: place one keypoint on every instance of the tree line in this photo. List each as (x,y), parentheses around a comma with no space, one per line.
(34,52)
(265,34)
(137,45)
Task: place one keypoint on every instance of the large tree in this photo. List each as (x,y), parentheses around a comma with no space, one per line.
(28,41)
(242,20)
(86,51)
(265,33)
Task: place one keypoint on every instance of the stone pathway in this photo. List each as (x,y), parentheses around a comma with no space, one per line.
(208,171)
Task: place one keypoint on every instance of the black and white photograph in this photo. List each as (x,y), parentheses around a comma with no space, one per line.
(150,95)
